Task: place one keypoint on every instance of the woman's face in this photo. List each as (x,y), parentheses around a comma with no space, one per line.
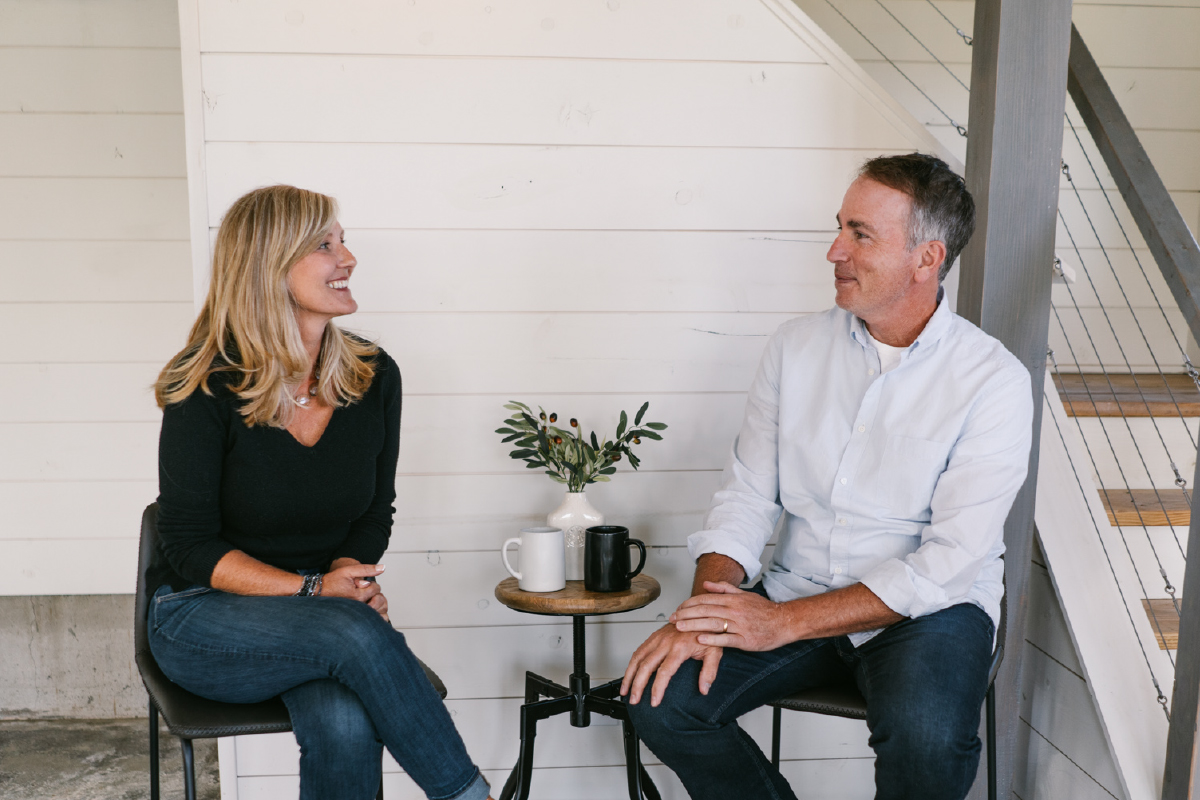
(320,282)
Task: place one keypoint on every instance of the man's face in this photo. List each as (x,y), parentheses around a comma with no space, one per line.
(874,271)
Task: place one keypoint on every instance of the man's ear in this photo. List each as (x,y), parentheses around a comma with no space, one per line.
(932,255)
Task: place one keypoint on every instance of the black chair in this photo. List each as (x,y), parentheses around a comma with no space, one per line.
(848,702)
(189,716)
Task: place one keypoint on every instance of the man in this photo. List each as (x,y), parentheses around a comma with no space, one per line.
(892,436)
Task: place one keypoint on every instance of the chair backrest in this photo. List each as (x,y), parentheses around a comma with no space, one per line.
(149,541)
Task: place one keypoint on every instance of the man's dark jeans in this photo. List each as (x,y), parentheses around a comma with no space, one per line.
(347,677)
(924,681)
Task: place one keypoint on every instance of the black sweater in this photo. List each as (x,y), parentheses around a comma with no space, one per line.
(223,486)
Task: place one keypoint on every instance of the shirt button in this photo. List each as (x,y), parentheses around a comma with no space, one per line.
(837,571)
(841,521)
(862,428)
(870,372)
(843,481)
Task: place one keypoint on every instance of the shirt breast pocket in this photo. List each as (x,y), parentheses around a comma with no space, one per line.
(909,473)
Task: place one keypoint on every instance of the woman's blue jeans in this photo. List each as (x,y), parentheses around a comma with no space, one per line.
(924,681)
(350,683)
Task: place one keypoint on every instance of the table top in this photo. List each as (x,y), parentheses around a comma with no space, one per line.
(578,601)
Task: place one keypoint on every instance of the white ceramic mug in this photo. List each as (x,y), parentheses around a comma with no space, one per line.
(542,560)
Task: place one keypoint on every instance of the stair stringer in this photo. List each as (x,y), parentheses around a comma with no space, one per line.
(1068,514)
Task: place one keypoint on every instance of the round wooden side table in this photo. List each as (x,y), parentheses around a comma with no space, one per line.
(580,700)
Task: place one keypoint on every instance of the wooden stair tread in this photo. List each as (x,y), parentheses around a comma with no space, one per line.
(1146,507)
(1164,621)
(1143,395)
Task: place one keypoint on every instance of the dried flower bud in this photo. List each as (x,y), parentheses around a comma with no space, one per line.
(542,416)
(554,417)
(574,422)
(617,457)
(558,440)
(636,440)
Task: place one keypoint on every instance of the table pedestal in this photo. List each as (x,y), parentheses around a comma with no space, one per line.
(580,700)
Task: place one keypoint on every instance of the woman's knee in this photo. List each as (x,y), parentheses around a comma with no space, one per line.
(329,718)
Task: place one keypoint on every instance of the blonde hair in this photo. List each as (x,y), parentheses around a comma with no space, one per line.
(248,328)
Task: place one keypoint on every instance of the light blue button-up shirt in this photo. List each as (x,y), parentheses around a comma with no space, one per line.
(899,481)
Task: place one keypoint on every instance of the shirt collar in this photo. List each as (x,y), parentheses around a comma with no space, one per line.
(934,330)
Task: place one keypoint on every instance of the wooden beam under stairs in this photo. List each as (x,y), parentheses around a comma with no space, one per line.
(1144,395)
(1146,507)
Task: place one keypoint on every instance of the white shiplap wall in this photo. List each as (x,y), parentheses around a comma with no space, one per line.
(95,285)
(579,204)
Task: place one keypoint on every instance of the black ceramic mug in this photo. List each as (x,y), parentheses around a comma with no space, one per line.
(606,559)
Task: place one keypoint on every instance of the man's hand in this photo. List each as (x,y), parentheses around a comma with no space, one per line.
(726,616)
(661,655)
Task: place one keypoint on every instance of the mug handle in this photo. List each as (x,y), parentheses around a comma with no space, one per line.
(641,563)
(504,557)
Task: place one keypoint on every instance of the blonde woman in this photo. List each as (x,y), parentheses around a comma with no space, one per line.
(277,463)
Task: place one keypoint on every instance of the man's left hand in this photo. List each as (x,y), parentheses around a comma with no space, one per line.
(730,617)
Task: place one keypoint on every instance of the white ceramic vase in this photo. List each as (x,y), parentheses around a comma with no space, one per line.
(573,517)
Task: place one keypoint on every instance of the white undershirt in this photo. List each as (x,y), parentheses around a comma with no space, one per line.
(889,357)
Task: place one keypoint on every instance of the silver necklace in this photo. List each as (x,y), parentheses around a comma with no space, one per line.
(304,399)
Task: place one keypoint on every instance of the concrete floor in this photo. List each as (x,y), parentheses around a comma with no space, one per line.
(95,760)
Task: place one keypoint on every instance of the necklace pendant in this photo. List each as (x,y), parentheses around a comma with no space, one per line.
(302,401)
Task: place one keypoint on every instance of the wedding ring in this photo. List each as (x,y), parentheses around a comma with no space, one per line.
(726,628)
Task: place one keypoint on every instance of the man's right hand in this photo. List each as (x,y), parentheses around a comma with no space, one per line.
(661,656)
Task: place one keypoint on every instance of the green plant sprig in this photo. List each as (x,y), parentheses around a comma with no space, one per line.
(566,455)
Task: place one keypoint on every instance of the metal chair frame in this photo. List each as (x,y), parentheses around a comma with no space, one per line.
(189,716)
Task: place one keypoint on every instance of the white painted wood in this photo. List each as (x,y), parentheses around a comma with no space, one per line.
(450,434)
(477,511)
(721,30)
(99,332)
(1067,520)
(80,452)
(68,392)
(90,271)
(1113,286)
(82,23)
(93,146)
(1117,340)
(885,32)
(1141,93)
(69,510)
(483,186)
(81,566)
(1050,775)
(1110,31)
(520,270)
(89,80)
(109,209)
(532,354)
(1098,432)
(196,157)
(227,766)
(1058,706)
(518,100)
(1047,629)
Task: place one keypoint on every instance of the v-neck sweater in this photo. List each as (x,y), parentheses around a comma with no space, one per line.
(224,486)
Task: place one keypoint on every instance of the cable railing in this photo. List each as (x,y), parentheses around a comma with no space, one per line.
(1123,373)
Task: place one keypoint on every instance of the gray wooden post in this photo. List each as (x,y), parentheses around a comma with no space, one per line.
(1177,255)
(1014,150)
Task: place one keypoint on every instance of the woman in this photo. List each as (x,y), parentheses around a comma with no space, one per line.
(277,465)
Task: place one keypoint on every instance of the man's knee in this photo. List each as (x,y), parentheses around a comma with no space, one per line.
(927,749)
(682,710)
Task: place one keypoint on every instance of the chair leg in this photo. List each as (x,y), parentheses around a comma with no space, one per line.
(189,770)
(154,790)
(775,725)
(379,794)
(991,741)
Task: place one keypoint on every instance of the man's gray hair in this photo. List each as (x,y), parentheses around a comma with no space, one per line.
(942,208)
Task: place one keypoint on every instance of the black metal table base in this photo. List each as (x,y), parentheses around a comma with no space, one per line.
(580,700)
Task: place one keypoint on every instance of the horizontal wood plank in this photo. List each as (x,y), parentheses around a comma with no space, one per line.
(1136,507)
(268,98)
(96,333)
(71,510)
(90,79)
(114,23)
(1164,621)
(80,451)
(82,566)
(55,393)
(1140,395)
(93,146)
(108,209)
(498,186)
(96,271)
(1140,36)
(427,270)
(738,30)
